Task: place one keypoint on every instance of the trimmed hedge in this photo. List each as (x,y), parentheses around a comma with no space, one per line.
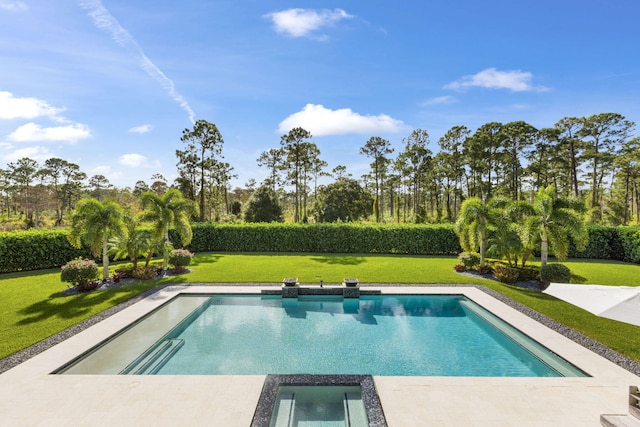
(617,243)
(323,238)
(40,249)
(36,250)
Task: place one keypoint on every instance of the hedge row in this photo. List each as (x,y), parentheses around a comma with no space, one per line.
(36,249)
(616,243)
(40,249)
(324,238)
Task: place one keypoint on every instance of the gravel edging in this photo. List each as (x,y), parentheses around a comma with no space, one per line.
(589,343)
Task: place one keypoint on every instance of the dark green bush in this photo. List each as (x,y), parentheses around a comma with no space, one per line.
(506,274)
(529,273)
(324,238)
(629,238)
(555,273)
(36,250)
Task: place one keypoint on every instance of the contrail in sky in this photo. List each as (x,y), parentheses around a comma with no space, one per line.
(105,21)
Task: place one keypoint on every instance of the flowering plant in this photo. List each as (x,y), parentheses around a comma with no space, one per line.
(79,271)
(180,258)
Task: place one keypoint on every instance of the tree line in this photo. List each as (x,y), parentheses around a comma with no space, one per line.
(595,159)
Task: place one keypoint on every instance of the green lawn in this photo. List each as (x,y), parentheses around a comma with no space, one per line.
(33,307)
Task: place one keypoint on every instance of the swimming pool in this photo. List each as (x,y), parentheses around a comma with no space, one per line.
(386,335)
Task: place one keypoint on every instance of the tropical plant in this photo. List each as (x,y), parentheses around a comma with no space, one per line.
(170,209)
(551,221)
(94,223)
(133,244)
(506,274)
(475,219)
(469,259)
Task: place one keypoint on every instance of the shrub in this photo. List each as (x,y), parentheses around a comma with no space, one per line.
(555,273)
(180,258)
(484,269)
(79,272)
(506,274)
(529,273)
(36,249)
(144,273)
(459,268)
(469,259)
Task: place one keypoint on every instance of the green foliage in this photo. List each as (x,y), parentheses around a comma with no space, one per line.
(325,238)
(94,223)
(630,242)
(40,249)
(36,250)
(555,273)
(469,259)
(144,273)
(506,274)
(79,271)
(165,211)
(180,257)
(529,273)
(264,207)
(344,200)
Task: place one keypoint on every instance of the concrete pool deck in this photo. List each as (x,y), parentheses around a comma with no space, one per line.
(31,396)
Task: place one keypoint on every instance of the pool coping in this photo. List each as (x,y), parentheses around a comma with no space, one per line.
(29,395)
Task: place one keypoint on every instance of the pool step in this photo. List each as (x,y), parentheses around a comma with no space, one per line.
(632,419)
(152,360)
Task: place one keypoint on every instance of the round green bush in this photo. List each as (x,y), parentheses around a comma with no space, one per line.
(555,273)
(180,258)
(79,272)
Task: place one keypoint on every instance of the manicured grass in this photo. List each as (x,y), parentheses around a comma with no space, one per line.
(34,309)
(332,268)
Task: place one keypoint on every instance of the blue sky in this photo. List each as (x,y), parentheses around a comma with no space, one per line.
(111,84)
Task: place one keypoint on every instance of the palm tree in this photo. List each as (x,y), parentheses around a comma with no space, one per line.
(165,211)
(132,245)
(94,223)
(551,221)
(475,219)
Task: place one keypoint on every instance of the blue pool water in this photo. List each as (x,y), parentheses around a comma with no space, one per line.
(391,335)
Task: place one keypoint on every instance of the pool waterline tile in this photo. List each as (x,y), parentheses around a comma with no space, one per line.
(29,395)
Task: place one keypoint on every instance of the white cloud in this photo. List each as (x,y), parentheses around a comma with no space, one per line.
(137,161)
(100,170)
(13,6)
(141,129)
(37,153)
(33,132)
(440,100)
(103,20)
(514,80)
(26,108)
(322,121)
(303,22)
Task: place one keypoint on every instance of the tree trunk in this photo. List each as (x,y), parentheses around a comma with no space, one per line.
(105,257)
(544,252)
